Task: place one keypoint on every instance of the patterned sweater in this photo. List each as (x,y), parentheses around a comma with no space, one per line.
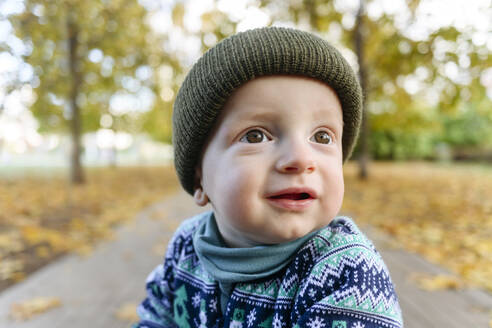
(336,280)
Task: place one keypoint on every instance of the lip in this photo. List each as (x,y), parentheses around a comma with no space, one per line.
(295,205)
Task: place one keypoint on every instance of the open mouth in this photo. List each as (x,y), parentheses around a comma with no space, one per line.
(293,199)
(292,196)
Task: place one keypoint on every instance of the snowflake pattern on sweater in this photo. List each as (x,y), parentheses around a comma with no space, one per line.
(336,280)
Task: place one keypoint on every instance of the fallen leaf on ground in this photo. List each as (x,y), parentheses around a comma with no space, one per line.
(127,312)
(26,309)
(158,214)
(442,212)
(436,282)
(9,268)
(42,218)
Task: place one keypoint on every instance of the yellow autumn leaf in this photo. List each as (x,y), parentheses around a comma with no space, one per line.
(36,235)
(43,217)
(437,282)
(43,251)
(442,212)
(10,242)
(9,267)
(26,309)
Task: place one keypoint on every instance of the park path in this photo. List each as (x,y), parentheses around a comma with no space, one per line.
(92,289)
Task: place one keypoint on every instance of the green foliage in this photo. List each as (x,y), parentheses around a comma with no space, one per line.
(419,137)
(157,122)
(112,44)
(400,145)
(405,125)
(467,130)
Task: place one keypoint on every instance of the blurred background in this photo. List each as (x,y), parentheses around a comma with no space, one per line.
(86,94)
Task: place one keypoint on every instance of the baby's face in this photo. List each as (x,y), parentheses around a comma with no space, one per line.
(273,167)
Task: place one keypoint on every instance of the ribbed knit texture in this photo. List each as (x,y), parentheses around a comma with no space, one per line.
(234,265)
(336,279)
(239,59)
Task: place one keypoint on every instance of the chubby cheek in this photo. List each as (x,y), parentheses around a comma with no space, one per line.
(335,193)
(239,198)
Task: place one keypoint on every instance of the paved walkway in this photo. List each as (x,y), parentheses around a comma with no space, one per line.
(92,289)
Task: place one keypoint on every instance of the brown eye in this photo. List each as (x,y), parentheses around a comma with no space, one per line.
(253,136)
(323,137)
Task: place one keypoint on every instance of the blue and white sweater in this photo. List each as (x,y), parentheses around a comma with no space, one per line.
(336,280)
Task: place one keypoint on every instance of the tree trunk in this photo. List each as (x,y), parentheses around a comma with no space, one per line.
(76,171)
(364,154)
(113,151)
(113,161)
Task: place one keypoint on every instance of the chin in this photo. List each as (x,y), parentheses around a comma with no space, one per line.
(295,234)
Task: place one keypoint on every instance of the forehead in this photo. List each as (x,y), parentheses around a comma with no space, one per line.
(272,96)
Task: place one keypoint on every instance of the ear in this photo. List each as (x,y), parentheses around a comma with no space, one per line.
(200,197)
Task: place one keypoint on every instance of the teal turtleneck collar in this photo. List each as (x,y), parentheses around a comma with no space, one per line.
(232,265)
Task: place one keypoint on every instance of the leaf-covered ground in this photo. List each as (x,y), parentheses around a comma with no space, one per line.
(443,212)
(44,217)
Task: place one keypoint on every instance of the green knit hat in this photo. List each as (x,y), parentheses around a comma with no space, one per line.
(239,59)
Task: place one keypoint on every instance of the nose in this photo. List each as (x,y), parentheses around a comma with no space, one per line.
(296,157)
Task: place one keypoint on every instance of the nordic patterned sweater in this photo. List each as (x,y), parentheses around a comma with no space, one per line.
(335,280)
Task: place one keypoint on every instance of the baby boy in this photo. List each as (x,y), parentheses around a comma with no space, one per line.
(261,128)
